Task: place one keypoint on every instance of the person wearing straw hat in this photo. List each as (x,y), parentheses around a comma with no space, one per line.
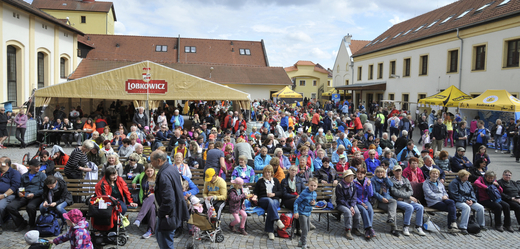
(346,200)
(78,234)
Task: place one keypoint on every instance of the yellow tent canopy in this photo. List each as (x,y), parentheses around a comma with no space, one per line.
(450,97)
(286,93)
(493,100)
(332,91)
(126,83)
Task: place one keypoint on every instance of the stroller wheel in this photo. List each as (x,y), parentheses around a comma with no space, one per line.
(220,237)
(121,240)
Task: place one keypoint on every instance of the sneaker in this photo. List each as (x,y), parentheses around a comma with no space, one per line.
(312,227)
(464,231)
(348,235)
(137,223)
(357,232)
(147,234)
(395,233)
(271,236)
(454,225)
(453,230)
(406,231)
(496,151)
(280,224)
(419,231)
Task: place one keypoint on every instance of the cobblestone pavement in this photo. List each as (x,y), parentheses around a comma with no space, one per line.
(318,238)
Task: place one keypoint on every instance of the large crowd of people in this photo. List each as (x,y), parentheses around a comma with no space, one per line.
(296,148)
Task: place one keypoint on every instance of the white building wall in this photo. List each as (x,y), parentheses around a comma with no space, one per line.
(342,66)
(494,77)
(44,39)
(66,47)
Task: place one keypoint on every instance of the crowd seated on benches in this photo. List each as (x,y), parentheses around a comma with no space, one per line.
(361,173)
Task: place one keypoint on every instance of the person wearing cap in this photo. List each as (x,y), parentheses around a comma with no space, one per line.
(215,190)
(32,181)
(402,191)
(460,161)
(78,234)
(269,192)
(346,200)
(237,207)
(8,186)
(32,238)
(56,196)
(461,191)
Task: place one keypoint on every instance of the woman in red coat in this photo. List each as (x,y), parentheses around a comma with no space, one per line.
(115,186)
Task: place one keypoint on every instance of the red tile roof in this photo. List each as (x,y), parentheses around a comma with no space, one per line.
(139,48)
(356,45)
(223,74)
(394,35)
(317,67)
(94,6)
(27,7)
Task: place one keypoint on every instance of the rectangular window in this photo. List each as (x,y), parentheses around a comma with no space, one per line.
(63,67)
(480,57)
(188,49)
(313,95)
(392,68)
(421,96)
(359,71)
(391,96)
(346,82)
(453,60)
(41,70)
(302,82)
(370,72)
(424,65)
(161,48)
(83,19)
(12,93)
(328,83)
(405,101)
(380,70)
(406,68)
(314,83)
(245,51)
(513,53)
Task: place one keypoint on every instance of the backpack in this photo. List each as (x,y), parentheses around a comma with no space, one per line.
(287,220)
(392,123)
(47,224)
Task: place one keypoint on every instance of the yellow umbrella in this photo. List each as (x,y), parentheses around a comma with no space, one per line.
(493,100)
(332,91)
(287,93)
(450,97)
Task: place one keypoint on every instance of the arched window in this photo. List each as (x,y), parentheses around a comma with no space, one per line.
(62,67)
(11,74)
(41,70)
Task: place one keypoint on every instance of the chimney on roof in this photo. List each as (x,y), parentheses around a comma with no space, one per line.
(347,39)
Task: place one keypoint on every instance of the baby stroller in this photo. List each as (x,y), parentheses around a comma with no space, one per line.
(106,221)
(208,225)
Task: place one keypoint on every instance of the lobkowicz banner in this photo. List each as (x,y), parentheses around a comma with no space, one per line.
(140,86)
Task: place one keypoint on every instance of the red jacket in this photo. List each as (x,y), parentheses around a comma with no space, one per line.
(237,125)
(103,188)
(357,123)
(408,174)
(224,126)
(316,118)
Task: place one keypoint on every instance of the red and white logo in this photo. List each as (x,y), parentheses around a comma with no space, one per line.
(140,86)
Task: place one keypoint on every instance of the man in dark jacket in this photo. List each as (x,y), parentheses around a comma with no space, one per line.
(385,142)
(511,193)
(401,142)
(32,182)
(209,121)
(172,209)
(510,128)
(423,125)
(3,126)
(56,196)
(460,136)
(460,161)
(327,122)
(438,135)
(428,166)
(140,118)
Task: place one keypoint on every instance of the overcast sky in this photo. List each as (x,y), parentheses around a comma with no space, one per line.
(292,29)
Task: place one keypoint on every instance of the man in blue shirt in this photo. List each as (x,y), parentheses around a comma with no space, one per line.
(262,159)
(32,197)
(177,120)
(9,184)
(342,140)
(337,153)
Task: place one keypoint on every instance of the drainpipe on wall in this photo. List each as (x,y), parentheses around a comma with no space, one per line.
(352,80)
(178,48)
(460,63)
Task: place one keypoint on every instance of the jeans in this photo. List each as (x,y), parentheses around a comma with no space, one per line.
(447,205)
(31,207)
(379,131)
(465,210)
(123,207)
(497,208)
(305,224)
(148,210)
(367,214)
(164,237)
(20,135)
(60,209)
(498,142)
(3,205)
(347,215)
(409,208)
(271,208)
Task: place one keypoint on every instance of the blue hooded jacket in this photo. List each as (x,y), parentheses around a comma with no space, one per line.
(302,205)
